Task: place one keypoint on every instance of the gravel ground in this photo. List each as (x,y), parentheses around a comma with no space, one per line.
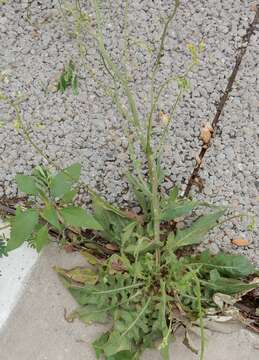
(35,46)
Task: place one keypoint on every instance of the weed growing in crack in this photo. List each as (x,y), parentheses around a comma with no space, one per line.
(146,277)
(68,78)
(148,288)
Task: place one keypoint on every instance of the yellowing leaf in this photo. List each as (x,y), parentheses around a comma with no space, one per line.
(79,274)
(91,259)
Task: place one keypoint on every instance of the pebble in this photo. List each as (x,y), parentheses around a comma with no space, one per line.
(213,248)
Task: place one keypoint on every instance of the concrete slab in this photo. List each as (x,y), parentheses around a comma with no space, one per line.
(37,329)
(15,270)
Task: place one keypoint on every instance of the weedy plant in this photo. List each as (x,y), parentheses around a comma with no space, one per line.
(68,78)
(146,277)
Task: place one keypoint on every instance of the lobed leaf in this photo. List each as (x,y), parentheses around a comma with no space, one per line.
(233,266)
(229,286)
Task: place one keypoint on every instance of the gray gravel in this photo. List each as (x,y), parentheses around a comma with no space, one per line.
(85,128)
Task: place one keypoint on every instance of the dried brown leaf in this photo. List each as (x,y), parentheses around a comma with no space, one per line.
(206,133)
(112,247)
(240,242)
(69,248)
(134,216)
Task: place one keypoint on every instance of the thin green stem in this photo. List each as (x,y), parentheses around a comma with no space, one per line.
(113,69)
(200,312)
(151,159)
(125,34)
(161,144)
(137,318)
(163,36)
(111,291)
(157,63)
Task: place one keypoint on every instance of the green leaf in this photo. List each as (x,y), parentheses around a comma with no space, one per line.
(62,182)
(229,286)
(128,234)
(69,196)
(173,194)
(78,217)
(142,246)
(49,213)
(116,343)
(98,344)
(67,78)
(141,192)
(175,210)
(27,184)
(195,233)
(60,185)
(72,172)
(62,84)
(160,173)
(123,355)
(22,227)
(112,220)
(234,266)
(41,239)
(105,205)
